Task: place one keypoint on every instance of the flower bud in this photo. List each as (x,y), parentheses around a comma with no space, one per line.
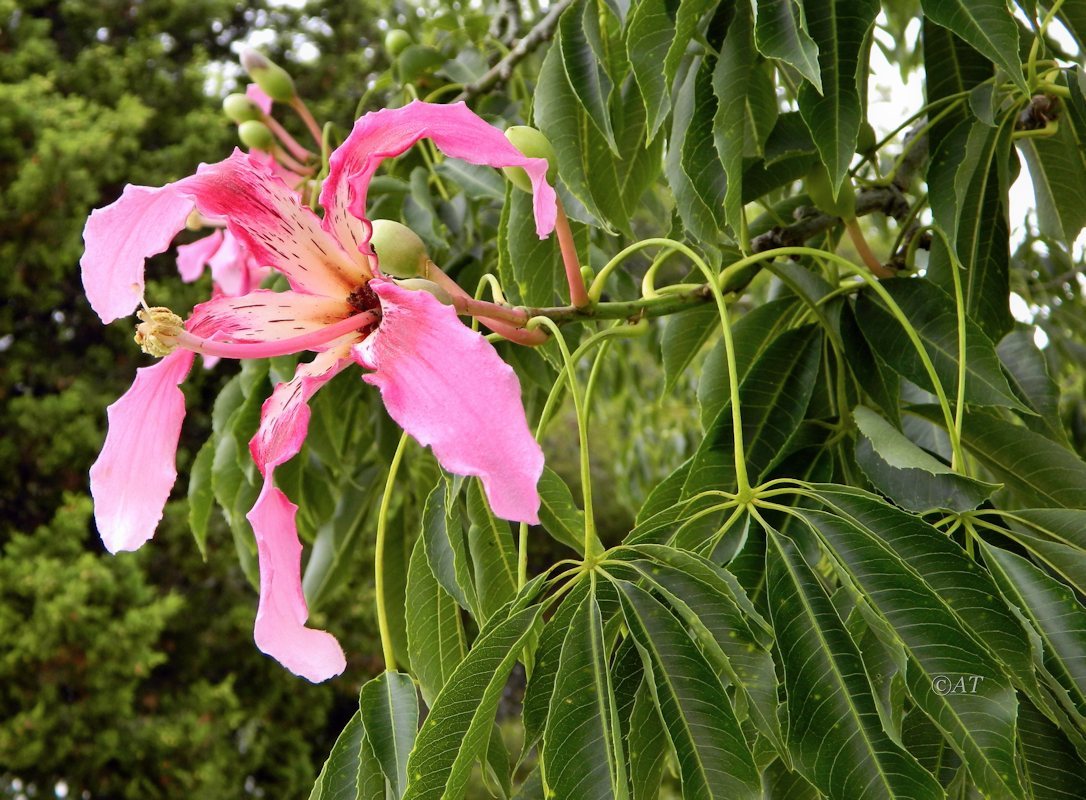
(269,76)
(240,108)
(396,41)
(423,285)
(533,144)
(256,135)
(400,251)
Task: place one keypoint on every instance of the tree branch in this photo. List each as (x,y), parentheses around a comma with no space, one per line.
(503,70)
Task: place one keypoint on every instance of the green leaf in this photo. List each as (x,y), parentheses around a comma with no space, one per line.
(1051,765)
(1054,613)
(201,494)
(446,550)
(969,205)
(477,182)
(536,270)
(834,728)
(334,547)
(351,771)
(684,336)
(649,33)
(951,68)
(647,745)
(773,398)
(1028,373)
(980,724)
(1036,469)
(436,643)
(840,28)
(389,706)
(1058,171)
(908,475)
(987,25)
(456,732)
(591,84)
(713,757)
(490,543)
(751,334)
(559,513)
(1056,536)
(933,316)
(781,32)
(872,373)
(582,748)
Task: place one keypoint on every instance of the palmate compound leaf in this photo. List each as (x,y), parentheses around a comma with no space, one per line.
(909,475)
(713,758)
(835,732)
(582,753)
(457,731)
(1055,536)
(979,724)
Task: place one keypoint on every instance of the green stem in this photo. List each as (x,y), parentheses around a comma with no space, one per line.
(957,461)
(379,557)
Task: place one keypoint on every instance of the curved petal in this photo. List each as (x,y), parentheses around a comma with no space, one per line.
(120,237)
(446,386)
(284,417)
(191,258)
(133,476)
(280,630)
(455,129)
(268,218)
(264,316)
(233,270)
(260,97)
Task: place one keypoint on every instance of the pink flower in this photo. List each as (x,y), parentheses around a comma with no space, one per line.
(442,382)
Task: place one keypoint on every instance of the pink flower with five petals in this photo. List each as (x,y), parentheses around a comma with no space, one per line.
(441,381)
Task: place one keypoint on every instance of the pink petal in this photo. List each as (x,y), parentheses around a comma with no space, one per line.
(446,386)
(133,476)
(264,316)
(258,96)
(267,162)
(191,258)
(233,270)
(120,237)
(284,418)
(280,630)
(455,129)
(268,218)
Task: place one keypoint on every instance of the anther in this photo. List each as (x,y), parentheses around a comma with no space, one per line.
(158,331)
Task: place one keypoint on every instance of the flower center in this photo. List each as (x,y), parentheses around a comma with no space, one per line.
(363,299)
(158,331)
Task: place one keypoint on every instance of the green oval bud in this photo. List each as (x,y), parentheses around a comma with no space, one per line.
(416,61)
(866,140)
(269,76)
(820,191)
(423,285)
(240,108)
(256,135)
(396,41)
(400,251)
(533,144)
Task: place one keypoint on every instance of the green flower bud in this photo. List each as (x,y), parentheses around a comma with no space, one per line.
(820,191)
(423,285)
(269,76)
(400,251)
(396,41)
(240,108)
(256,135)
(533,144)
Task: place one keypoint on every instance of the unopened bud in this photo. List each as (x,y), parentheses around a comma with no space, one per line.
(423,285)
(157,333)
(533,144)
(400,251)
(256,135)
(269,76)
(396,41)
(240,108)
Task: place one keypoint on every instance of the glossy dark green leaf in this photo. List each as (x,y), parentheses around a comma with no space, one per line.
(536,275)
(872,373)
(591,84)
(647,746)
(932,314)
(351,771)
(649,34)
(683,338)
(1053,768)
(839,27)
(773,398)
(713,757)
(490,543)
(582,752)
(455,734)
(446,548)
(951,68)
(1036,469)
(781,32)
(1028,373)
(436,643)
(980,723)
(969,205)
(201,494)
(389,706)
(987,25)
(334,545)
(834,729)
(909,475)
(1057,537)
(1058,171)
(558,512)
